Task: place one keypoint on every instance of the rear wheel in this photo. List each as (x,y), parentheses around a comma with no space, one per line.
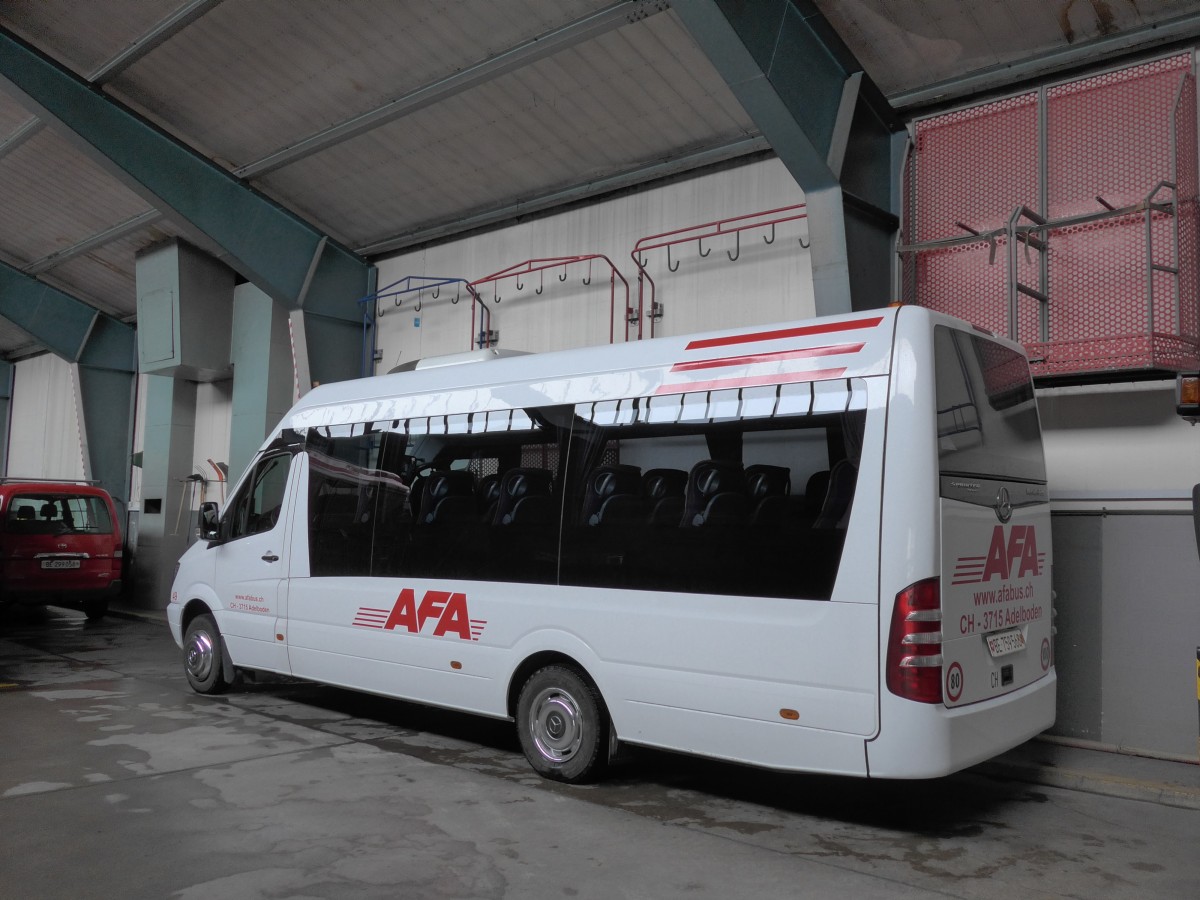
(202,656)
(95,609)
(563,726)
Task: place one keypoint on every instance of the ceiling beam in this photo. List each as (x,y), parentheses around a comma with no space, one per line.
(65,325)
(162,32)
(831,126)
(256,237)
(540,47)
(92,242)
(466,222)
(1061,61)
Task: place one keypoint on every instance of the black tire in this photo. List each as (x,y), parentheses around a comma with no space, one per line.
(563,725)
(202,656)
(95,609)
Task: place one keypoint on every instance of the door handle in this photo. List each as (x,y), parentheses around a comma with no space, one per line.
(270,557)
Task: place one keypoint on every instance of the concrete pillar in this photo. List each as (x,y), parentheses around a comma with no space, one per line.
(261,354)
(6,392)
(166,524)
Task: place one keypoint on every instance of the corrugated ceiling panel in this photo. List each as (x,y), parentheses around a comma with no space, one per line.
(906,44)
(84,35)
(105,275)
(12,338)
(283,76)
(55,197)
(12,116)
(549,125)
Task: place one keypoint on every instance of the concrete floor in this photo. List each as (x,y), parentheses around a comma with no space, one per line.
(118,781)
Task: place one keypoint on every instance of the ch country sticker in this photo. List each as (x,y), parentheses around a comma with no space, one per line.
(1009,556)
(439,614)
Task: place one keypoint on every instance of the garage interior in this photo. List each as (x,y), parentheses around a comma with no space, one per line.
(209,206)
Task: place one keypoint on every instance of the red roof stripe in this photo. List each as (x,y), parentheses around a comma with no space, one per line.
(829,350)
(802,331)
(720,384)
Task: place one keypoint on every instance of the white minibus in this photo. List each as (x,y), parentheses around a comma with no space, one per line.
(819,546)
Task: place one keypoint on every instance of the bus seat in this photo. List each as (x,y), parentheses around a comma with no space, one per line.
(662,491)
(715,494)
(489,495)
(444,492)
(768,488)
(524,497)
(815,490)
(606,484)
(836,508)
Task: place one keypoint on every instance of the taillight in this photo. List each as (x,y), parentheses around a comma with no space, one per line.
(914,652)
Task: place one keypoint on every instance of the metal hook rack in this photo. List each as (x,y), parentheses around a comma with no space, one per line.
(530,266)
(699,233)
(398,292)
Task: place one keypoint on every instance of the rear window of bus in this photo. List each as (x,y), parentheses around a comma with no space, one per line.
(987,419)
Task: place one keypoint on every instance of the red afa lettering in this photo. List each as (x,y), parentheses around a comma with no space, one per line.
(447,609)
(1014,557)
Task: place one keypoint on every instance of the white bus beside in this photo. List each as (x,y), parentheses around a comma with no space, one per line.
(818,546)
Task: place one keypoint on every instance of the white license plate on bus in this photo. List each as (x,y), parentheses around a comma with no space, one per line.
(60,564)
(1003,643)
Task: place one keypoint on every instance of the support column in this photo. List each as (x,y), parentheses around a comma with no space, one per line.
(830,125)
(261,354)
(6,392)
(165,527)
(185,302)
(105,381)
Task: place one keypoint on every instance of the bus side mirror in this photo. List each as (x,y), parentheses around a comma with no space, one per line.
(210,522)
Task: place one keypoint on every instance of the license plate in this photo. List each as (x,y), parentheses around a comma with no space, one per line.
(1003,643)
(60,564)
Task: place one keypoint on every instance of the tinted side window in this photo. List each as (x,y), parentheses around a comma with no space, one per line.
(358,511)
(744,492)
(256,507)
(750,507)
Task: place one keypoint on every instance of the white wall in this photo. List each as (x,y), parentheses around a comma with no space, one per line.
(766,283)
(44,434)
(214,412)
(1119,446)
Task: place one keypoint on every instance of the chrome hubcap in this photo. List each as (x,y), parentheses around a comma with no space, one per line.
(199,656)
(555,725)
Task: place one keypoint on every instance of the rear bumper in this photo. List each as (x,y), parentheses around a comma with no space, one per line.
(928,741)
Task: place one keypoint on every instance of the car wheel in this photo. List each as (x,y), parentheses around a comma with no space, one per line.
(95,609)
(202,656)
(563,726)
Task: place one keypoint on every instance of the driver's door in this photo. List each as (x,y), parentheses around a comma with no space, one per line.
(252,563)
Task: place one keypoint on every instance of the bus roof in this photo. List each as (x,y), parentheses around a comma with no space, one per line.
(832,347)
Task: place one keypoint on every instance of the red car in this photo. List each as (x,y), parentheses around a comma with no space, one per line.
(60,543)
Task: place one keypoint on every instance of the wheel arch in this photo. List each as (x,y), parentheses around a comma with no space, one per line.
(540,660)
(197,607)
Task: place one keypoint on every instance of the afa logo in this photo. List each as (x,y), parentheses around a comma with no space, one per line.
(1010,556)
(439,614)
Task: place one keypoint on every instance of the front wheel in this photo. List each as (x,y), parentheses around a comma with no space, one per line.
(202,656)
(563,726)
